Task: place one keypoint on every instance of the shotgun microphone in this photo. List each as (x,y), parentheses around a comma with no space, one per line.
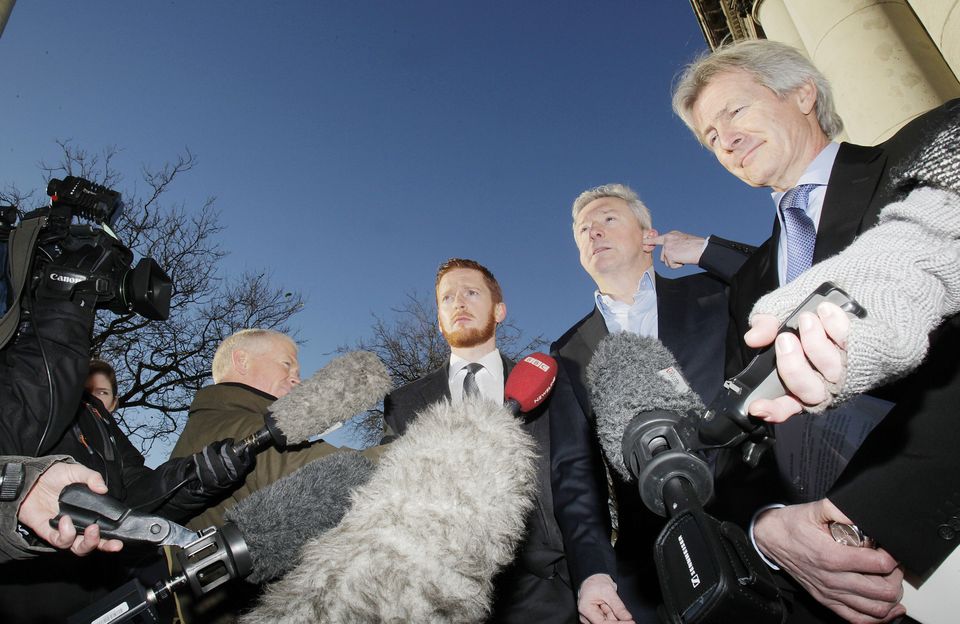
(349,384)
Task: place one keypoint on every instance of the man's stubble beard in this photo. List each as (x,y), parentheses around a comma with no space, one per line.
(470,337)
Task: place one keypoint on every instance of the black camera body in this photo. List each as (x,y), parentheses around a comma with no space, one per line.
(51,256)
(709,572)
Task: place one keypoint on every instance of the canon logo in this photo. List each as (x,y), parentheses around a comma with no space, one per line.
(69,279)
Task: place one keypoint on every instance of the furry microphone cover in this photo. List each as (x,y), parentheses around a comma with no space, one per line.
(349,384)
(278,520)
(630,375)
(442,514)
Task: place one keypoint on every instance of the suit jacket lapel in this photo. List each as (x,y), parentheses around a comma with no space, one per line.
(853,180)
(507,367)
(668,332)
(580,350)
(439,385)
(853,183)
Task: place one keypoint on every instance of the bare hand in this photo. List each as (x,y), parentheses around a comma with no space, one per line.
(678,248)
(861,585)
(42,504)
(806,364)
(598,601)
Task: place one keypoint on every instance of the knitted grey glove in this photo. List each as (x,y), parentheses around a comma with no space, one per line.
(905,271)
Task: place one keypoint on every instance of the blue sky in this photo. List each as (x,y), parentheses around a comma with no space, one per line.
(353,146)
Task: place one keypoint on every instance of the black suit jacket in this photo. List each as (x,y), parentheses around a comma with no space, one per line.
(536,586)
(692,324)
(901,486)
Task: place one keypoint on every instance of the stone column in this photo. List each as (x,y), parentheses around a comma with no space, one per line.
(884,68)
(941,18)
(777,24)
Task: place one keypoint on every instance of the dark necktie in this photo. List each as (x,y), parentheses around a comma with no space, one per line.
(470,387)
(801,235)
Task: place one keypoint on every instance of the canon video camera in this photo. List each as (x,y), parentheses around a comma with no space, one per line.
(51,256)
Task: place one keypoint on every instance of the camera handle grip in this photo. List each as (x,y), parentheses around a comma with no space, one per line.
(726,421)
(116,521)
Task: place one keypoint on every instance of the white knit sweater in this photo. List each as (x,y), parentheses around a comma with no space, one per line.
(905,272)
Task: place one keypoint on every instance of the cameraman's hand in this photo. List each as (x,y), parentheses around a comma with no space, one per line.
(42,504)
(219,467)
(809,366)
(858,584)
(598,601)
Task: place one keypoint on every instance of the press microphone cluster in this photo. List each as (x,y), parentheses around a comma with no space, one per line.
(418,539)
(278,520)
(349,384)
(647,420)
(635,383)
(443,513)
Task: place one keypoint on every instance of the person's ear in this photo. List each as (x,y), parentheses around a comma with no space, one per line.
(648,236)
(241,361)
(806,97)
(499,312)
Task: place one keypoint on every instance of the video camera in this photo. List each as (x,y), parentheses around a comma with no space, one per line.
(51,256)
(709,572)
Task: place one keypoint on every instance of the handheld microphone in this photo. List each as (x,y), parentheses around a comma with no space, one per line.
(349,384)
(443,513)
(529,383)
(646,415)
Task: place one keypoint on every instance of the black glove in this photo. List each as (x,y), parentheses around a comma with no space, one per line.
(219,467)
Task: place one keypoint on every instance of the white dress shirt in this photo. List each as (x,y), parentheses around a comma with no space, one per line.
(639,317)
(489,378)
(817,172)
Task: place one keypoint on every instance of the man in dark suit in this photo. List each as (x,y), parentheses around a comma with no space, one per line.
(536,586)
(615,237)
(767,115)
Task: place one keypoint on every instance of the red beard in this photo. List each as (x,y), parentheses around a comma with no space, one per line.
(470,337)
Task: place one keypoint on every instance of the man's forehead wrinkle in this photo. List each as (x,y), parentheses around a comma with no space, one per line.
(724,108)
(603,208)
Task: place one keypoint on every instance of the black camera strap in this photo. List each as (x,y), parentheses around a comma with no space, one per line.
(23,240)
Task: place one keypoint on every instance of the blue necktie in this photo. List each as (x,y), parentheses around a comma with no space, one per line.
(801,235)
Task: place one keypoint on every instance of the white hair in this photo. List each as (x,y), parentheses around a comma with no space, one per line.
(620,191)
(254,339)
(776,66)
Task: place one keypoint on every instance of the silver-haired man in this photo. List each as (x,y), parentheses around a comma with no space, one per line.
(767,115)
